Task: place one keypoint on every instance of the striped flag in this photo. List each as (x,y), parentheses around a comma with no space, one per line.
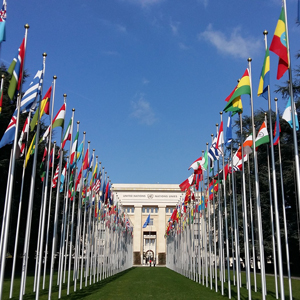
(23,137)
(30,150)
(16,71)
(9,134)
(277,130)
(58,121)
(264,81)
(29,99)
(55,177)
(279,45)
(44,109)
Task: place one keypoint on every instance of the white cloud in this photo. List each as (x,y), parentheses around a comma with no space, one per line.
(145,81)
(174,27)
(182,46)
(142,111)
(204,2)
(235,45)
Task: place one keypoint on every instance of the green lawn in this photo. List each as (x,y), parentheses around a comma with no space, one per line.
(147,283)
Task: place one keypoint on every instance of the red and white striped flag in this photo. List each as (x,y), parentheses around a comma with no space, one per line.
(55,177)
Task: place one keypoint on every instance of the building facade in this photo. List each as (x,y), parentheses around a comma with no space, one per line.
(140,201)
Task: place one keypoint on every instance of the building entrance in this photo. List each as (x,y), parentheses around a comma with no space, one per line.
(149,247)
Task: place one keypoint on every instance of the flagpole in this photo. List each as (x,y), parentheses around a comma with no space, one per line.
(209,228)
(214,221)
(293,110)
(236,237)
(30,202)
(252,229)
(10,182)
(226,221)
(49,209)
(220,239)
(245,219)
(72,220)
(284,217)
(18,220)
(78,228)
(84,222)
(57,204)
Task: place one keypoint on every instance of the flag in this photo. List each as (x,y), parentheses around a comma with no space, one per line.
(16,71)
(287,114)
(29,99)
(229,130)
(277,130)
(213,187)
(31,150)
(73,151)
(44,109)
(58,121)
(79,152)
(86,160)
(3,22)
(187,183)
(262,135)
(220,139)
(234,103)
(279,45)
(62,177)
(23,138)
(43,165)
(264,80)
(67,136)
(213,152)
(55,177)
(9,134)
(147,222)
(94,175)
(196,164)
(204,161)
(96,187)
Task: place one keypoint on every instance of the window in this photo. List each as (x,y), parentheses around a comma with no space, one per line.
(132,210)
(172,209)
(151,221)
(147,210)
(143,210)
(167,210)
(152,209)
(156,210)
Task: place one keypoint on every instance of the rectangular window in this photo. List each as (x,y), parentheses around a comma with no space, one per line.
(156,210)
(143,210)
(167,210)
(152,210)
(151,221)
(147,210)
(132,210)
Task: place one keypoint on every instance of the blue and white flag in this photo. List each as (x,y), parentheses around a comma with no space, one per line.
(29,99)
(214,153)
(287,114)
(147,222)
(9,134)
(229,130)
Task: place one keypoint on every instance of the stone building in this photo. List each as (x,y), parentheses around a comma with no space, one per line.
(140,200)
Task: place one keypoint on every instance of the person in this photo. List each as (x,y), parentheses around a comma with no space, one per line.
(154,262)
(150,262)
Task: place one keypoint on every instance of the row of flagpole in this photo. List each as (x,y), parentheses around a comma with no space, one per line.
(192,254)
(96,240)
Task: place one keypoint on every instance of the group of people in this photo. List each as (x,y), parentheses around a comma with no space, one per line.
(151,261)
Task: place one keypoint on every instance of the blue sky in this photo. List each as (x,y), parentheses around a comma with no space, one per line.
(147,78)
